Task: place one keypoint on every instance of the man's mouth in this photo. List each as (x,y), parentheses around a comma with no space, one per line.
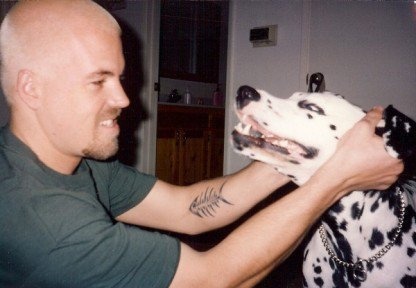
(109,123)
(110,119)
(252,133)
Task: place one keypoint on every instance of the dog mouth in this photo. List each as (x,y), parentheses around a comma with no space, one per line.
(250,133)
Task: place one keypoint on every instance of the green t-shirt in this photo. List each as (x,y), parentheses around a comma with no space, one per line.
(59,231)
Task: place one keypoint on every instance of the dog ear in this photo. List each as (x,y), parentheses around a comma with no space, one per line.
(399,133)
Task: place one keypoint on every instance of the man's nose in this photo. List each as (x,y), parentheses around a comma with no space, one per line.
(119,98)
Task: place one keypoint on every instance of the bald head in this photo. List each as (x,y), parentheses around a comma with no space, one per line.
(37,35)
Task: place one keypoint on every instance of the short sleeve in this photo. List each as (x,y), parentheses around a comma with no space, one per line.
(120,187)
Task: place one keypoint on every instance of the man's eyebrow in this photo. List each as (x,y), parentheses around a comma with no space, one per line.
(100,73)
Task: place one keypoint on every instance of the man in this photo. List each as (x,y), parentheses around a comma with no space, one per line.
(70,219)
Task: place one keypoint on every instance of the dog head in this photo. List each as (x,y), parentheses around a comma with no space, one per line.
(297,135)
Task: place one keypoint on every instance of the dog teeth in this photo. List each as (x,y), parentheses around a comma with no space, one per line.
(284,143)
(255,133)
(243,128)
(246,129)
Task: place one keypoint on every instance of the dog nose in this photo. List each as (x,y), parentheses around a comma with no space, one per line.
(246,94)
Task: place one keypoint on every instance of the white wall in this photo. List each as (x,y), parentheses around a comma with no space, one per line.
(366,50)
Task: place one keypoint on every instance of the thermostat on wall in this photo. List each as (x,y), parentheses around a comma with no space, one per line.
(263,36)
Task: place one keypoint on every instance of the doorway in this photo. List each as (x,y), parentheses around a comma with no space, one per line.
(192,59)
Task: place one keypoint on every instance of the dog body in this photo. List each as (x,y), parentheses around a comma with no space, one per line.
(297,135)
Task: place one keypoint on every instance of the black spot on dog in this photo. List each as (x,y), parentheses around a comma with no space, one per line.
(336,137)
(265,124)
(318,281)
(304,104)
(410,252)
(331,264)
(370,266)
(379,265)
(390,236)
(408,281)
(309,116)
(333,127)
(270,107)
(310,152)
(374,207)
(294,162)
(343,225)
(318,270)
(337,207)
(356,212)
(269,102)
(377,239)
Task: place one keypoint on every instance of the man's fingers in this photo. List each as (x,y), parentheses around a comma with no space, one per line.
(374,115)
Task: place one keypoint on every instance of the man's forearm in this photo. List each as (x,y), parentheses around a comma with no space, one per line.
(221,201)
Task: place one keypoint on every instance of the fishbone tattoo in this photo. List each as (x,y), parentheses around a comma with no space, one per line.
(206,204)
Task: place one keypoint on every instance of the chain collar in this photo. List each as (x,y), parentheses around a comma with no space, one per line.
(358,269)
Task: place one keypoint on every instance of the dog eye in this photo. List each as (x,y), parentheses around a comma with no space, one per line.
(311,107)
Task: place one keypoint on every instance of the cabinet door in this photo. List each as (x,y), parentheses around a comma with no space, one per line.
(193,151)
(190,144)
(215,153)
(167,159)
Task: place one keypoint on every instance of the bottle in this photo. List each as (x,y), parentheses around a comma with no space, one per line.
(217,96)
(188,97)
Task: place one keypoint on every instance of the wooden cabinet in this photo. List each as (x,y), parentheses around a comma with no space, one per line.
(190,143)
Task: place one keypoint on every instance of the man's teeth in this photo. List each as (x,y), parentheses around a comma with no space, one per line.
(107,123)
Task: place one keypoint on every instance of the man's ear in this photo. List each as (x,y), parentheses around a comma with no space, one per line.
(26,88)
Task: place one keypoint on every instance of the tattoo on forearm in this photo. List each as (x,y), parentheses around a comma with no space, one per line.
(206,204)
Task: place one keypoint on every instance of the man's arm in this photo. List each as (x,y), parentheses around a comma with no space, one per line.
(205,205)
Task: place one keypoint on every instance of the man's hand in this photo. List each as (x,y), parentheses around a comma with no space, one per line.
(362,158)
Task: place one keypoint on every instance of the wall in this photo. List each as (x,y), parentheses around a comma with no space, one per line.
(366,50)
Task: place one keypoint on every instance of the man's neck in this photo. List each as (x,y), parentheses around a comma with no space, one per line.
(44,150)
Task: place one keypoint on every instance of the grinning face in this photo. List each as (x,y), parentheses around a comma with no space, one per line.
(82,97)
(295,135)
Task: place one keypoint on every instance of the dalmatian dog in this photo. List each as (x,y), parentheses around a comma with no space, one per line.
(368,238)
